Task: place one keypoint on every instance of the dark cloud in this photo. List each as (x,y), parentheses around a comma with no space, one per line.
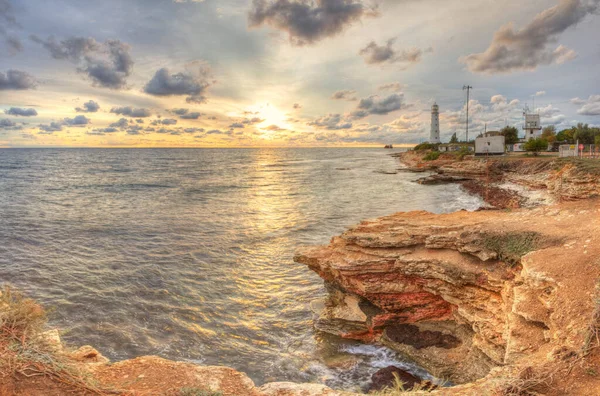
(107,64)
(102,131)
(122,123)
(194,115)
(297,106)
(253,120)
(7,20)
(88,107)
(77,120)
(345,94)
(17,111)
(591,106)
(529,47)
(17,80)
(374,54)
(237,125)
(47,129)
(193,130)
(179,111)
(166,121)
(307,22)
(331,122)
(193,82)
(377,105)
(6,123)
(131,112)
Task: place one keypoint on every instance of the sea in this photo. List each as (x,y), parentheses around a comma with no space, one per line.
(187,253)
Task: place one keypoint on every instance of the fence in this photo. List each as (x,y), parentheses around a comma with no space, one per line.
(581,151)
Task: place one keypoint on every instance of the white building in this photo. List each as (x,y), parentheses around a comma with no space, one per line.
(532,127)
(489,143)
(434,135)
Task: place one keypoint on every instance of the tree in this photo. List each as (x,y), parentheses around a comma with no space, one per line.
(454,139)
(566,135)
(597,140)
(511,134)
(549,133)
(536,145)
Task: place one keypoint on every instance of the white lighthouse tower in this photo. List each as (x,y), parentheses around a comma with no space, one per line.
(434,135)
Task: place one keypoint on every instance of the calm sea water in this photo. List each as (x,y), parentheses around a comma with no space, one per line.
(187,254)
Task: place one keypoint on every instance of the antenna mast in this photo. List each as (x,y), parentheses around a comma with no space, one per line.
(468,88)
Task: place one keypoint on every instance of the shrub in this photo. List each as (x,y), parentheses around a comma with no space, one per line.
(431,156)
(536,145)
(425,146)
(510,247)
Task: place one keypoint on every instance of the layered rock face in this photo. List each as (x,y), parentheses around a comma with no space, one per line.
(464,292)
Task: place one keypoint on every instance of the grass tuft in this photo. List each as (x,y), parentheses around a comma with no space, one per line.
(25,351)
(511,247)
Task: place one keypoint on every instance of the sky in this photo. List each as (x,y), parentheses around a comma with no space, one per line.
(278,73)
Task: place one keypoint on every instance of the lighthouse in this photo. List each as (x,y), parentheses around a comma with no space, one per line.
(434,135)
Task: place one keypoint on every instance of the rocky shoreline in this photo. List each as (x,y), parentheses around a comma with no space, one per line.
(539,181)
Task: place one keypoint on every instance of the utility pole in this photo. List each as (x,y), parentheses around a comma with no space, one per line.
(468,88)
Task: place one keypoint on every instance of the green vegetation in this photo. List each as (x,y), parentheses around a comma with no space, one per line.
(510,247)
(536,145)
(399,389)
(425,146)
(431,156)
(454,139)
(197,392)
(464,151)
(511,134)
(582,132)
(549,133)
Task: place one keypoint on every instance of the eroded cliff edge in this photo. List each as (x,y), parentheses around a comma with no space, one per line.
(466,295)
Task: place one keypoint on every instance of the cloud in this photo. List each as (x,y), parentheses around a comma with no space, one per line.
(17,80)
(88,107)
(253,120)
(193,82)
(107,64)
(394,87)
(77,120)
(165,121)
(237,125)
(194,115)
(7,19)
(591,106)
(274,128)
(540,93)
(17,111)
(307,22)
(374,54)
(6,123)
(122,123)
(297,106)
(131,112)
(331,122)
(48,129)
(102,131)
(378,106)
(530,47)
(345,94)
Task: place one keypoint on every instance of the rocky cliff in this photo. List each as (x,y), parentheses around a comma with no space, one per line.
(466,295)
